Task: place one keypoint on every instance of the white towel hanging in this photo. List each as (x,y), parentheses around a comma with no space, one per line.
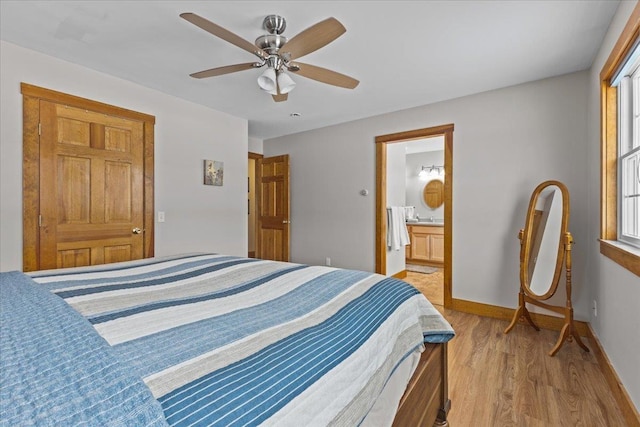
(397,234)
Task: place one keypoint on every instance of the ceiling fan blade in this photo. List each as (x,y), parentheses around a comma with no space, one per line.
(313,38)
(325,76)
(224,34)
(280,97)
(212,72)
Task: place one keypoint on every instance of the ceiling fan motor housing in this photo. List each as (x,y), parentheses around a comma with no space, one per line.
(274,24)
(273,41)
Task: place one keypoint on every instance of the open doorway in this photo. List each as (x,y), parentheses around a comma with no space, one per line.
(382,143)
(252,210)
(421,163)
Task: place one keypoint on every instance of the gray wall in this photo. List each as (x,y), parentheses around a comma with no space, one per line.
(616,290)
(198,217)
(329,217)
(527,133)
(255,145)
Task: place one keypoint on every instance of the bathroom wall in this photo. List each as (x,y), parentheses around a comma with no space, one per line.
(396,167)
(415,184)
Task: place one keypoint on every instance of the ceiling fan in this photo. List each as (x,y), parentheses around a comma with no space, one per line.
(278,53)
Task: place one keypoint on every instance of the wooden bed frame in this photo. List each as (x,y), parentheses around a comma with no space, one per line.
(426,402)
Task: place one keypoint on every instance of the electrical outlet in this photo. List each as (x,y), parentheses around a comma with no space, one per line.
(595,308)
(327,261)
(160,216)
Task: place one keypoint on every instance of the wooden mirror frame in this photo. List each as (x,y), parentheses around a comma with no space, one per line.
(437,194)
(568,332)
(528,236)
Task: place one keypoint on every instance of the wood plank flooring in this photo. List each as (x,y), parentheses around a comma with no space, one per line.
(509,380)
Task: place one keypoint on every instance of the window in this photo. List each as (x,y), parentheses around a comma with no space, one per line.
(628,164)
(620,154)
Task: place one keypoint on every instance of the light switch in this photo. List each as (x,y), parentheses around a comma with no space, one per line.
(160,216)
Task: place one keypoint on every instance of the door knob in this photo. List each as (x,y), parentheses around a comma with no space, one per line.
(136,231)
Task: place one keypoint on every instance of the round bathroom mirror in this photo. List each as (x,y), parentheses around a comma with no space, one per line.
(433,193)
(543,244)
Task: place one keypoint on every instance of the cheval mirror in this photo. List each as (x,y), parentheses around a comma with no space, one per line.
(545,248)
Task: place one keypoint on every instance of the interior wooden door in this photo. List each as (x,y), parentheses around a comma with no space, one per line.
(273,208)
(91,187)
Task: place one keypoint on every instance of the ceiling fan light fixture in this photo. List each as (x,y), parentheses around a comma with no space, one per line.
(285,82)
(267,81)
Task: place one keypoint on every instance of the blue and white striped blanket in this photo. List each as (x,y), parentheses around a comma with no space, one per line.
(227,341)
(55,370)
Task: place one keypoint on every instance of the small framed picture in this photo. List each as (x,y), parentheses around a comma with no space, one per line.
(213,172)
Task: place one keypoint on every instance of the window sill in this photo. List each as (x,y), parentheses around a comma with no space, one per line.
(621,253)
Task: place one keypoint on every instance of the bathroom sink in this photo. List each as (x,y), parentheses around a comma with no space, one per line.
(425,221)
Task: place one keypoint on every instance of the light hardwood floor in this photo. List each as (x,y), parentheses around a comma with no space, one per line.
(509,380)
(431,285)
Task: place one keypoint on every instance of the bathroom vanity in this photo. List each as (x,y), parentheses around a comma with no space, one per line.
(427,243)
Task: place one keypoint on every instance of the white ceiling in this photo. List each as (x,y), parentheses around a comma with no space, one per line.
(435,143)
(405,53)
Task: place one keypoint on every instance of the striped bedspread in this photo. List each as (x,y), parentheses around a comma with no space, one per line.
(226,341)
(55,370)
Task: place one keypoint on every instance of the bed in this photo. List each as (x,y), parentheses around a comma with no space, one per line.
(209,339)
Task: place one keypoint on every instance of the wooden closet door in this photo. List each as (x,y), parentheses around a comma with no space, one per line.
(273,208)
(91,187)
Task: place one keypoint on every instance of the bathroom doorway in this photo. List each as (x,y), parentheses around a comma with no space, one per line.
(421,163)
(382,144)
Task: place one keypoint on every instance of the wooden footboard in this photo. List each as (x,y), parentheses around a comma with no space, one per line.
(426,401)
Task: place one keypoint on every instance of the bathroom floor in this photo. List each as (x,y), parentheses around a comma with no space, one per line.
(431,285)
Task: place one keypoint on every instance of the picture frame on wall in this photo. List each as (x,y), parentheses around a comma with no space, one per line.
(213,172)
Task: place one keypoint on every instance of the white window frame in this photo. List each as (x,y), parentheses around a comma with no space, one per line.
(628,161)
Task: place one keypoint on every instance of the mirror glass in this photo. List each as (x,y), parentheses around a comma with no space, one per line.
(433,193)
(545,239)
